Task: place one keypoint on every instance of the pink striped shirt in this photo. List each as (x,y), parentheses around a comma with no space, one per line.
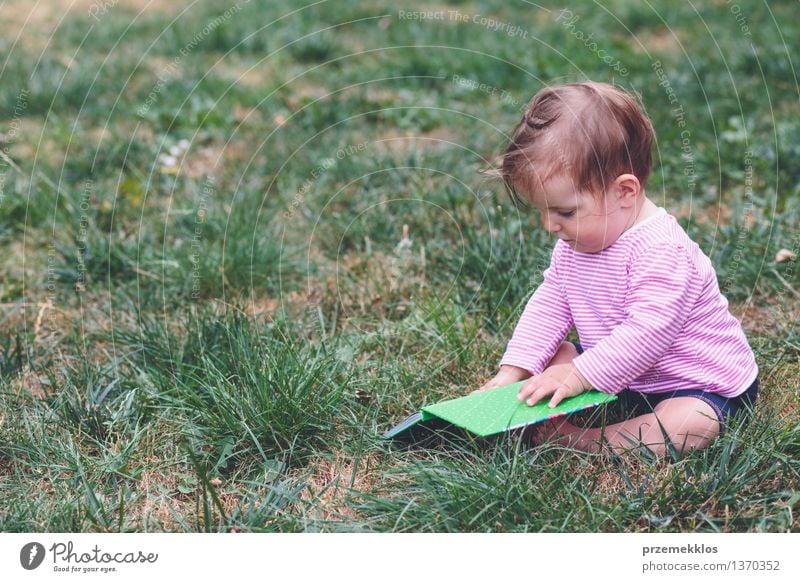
(648,311)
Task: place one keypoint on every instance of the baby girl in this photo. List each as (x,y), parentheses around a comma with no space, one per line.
(644,299)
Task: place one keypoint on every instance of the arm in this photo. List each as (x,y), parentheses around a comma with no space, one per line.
(543,326)
(663,289)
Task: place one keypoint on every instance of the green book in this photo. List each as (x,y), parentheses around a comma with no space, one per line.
(498,410)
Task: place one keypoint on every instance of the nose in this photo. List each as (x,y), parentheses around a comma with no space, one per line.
(550,225)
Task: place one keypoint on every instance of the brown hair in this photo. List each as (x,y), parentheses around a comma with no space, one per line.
(591,132)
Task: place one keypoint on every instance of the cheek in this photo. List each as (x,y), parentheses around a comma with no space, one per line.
(591,230)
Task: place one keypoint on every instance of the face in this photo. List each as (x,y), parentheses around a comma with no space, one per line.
(587,223)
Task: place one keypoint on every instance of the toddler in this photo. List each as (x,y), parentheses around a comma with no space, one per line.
(644,299)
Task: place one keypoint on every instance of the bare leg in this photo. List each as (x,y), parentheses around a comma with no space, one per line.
(689,424)
(564,355)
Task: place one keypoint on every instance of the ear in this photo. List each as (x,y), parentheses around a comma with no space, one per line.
(626,189)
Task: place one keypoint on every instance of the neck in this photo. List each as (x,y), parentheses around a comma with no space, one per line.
(644,210)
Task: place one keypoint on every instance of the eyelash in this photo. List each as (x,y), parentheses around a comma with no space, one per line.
(566,214)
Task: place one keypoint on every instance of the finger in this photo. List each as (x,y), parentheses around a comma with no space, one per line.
(558,396)
(487,386)
(540,393)
(537,396)
(563,392)
(528,388)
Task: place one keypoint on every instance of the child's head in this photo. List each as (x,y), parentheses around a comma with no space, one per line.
(581,152)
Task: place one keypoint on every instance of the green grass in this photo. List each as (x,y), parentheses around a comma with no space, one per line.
(549,490)
(216,343)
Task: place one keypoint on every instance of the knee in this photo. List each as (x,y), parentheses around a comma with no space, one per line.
(690,423)
(564,355)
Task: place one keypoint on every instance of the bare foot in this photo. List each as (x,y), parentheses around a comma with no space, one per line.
(555,430)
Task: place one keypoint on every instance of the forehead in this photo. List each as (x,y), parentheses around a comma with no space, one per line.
(558,191)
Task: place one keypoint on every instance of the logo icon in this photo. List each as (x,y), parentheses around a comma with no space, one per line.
(31,555)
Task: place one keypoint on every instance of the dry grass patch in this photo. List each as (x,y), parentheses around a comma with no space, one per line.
(331,482)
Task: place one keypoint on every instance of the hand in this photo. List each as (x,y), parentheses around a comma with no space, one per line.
(562,381)
(507,375)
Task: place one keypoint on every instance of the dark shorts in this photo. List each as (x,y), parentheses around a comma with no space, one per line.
(636,403)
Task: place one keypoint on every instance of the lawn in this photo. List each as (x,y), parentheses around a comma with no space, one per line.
(241,240)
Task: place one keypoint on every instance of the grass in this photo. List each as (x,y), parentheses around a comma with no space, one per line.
(211,311)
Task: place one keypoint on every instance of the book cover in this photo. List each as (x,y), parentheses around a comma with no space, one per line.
(498,410)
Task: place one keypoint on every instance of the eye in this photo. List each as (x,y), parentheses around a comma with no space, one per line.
(566,214)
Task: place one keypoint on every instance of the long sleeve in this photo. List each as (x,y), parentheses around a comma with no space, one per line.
(544,324)
(663,288)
